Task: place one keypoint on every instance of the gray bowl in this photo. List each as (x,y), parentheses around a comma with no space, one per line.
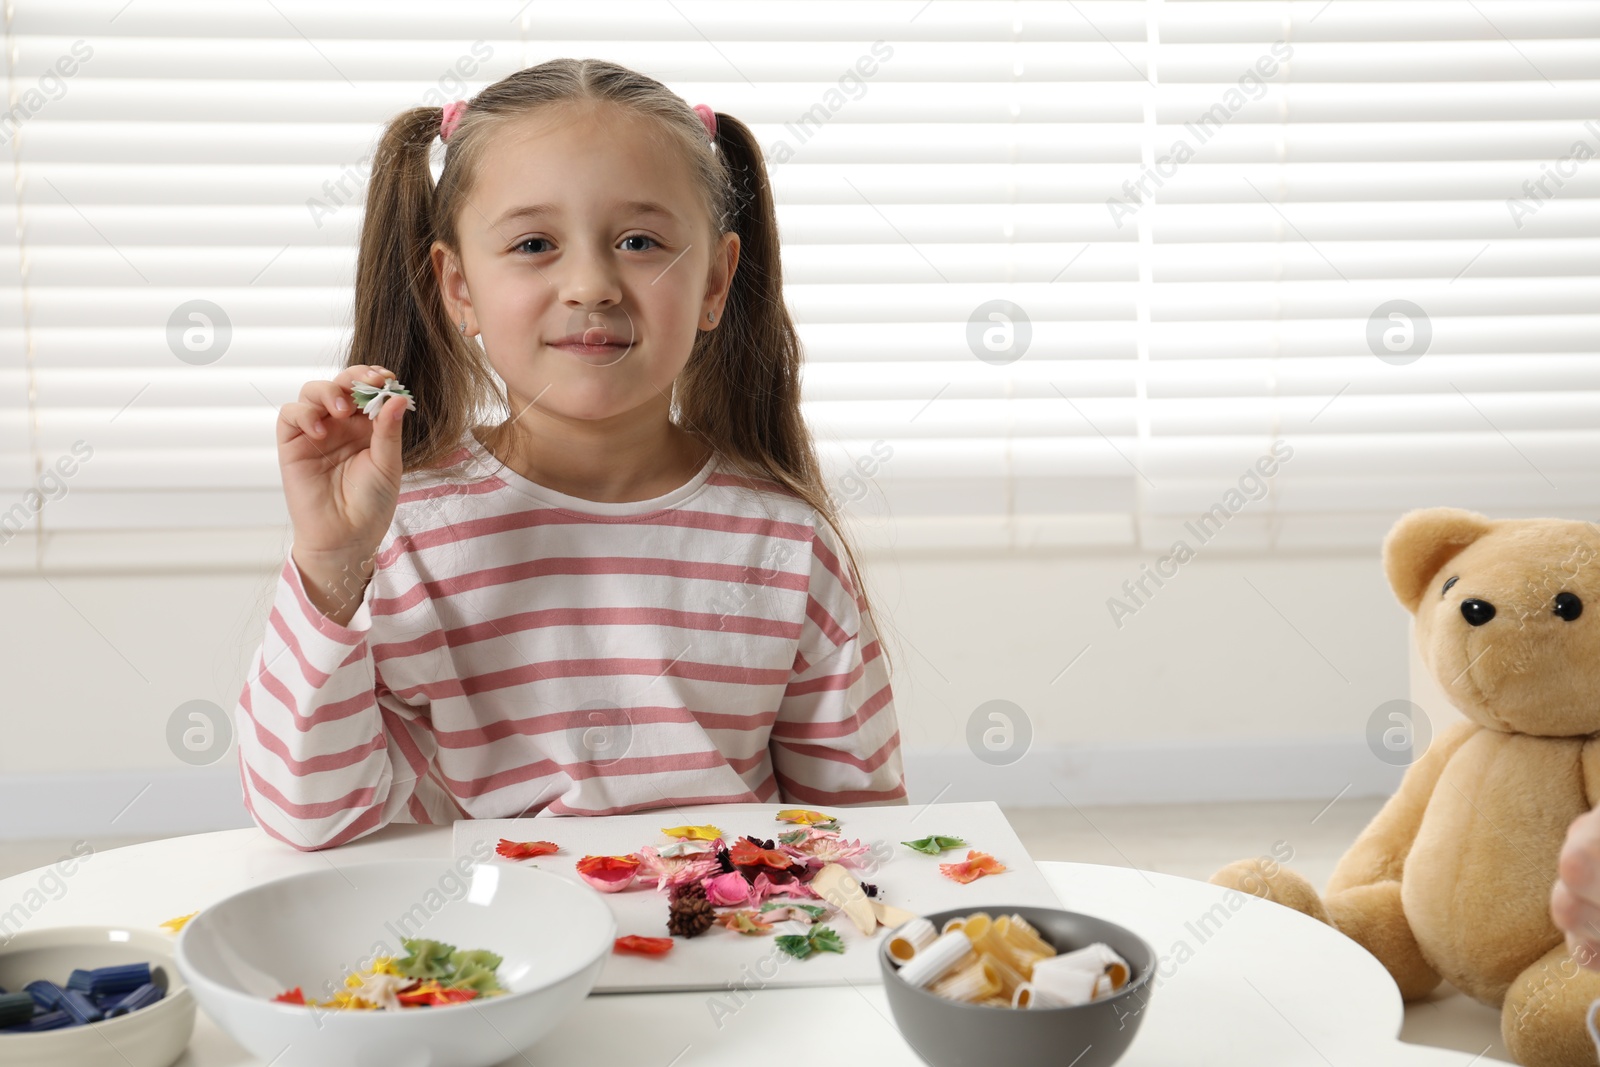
(949,1033)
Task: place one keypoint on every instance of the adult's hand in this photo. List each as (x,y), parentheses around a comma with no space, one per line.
(1575,898)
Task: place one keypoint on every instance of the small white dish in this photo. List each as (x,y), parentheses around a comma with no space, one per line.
(153,1036)
(311,930)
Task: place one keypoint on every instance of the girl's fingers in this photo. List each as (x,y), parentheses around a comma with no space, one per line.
(302,417)
(333,396)
(324,400)
(309,417)
(362,373)
(386,449)
(340,383)
(328,397)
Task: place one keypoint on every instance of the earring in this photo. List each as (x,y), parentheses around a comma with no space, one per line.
(711,316)
(463,327)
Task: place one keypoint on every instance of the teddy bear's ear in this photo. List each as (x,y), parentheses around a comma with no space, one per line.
(1421,543)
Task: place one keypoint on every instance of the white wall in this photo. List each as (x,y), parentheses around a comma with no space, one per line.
(1243,677)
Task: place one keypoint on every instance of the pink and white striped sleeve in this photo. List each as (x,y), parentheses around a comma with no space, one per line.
(321,761)
(836,740)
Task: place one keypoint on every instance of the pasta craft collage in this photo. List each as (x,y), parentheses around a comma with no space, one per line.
(820,890)
(700,872)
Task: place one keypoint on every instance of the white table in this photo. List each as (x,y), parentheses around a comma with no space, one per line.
(1262,985)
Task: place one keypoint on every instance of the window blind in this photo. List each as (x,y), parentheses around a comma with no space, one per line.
(1065,272)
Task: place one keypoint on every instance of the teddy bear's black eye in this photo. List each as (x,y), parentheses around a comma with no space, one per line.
(1448,584)
(1568,606)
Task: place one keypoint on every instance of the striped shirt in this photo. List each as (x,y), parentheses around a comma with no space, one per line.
(521,651)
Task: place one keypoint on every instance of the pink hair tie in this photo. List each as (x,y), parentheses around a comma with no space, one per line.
(708,118)
(451,118)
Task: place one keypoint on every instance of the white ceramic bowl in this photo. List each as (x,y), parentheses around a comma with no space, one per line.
(311,930)
(154,1036)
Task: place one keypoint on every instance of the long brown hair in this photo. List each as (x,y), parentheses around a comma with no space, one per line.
(739,393)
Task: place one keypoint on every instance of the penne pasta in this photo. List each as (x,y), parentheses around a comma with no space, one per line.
(971,982)
(910,939)
(1003,962)
(1098,959)
(977,925)
(947,953)
(1026,938)
(1098,955)
(993,942)
(1023,925)
(1064,987)
(1009,976)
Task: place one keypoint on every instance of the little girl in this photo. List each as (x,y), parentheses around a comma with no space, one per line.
(631,592)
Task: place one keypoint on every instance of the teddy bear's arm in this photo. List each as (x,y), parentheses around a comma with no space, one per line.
(1379,853)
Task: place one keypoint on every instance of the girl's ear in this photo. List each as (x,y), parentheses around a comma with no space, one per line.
(1421,543)
(452,283)
(725,260)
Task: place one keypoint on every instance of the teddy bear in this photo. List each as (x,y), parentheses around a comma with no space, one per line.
(1451,879)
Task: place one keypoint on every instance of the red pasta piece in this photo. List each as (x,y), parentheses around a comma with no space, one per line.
(645,946)
(293,996)
(746,853)
(609,874)
(431,993)
(521,850)
(975,866)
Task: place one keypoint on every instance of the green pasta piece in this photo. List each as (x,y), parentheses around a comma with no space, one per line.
(474,975)
(425,958)
(817,939)
(817,911)
(826,939)
(934,844)
(482,956)
(796,945)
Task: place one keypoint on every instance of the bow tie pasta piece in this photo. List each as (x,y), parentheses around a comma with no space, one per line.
(370,399)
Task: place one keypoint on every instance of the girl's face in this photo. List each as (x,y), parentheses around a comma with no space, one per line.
(578,227)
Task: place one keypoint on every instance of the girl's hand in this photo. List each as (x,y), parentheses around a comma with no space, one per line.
(1575,898)
(341,473)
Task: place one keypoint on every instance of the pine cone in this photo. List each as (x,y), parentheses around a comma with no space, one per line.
(690,913)
(685,889)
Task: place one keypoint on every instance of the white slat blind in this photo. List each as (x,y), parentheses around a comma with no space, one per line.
(1204,211)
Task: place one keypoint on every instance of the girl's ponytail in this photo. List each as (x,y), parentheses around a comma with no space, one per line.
(741,387)
(754,355)
(400,319)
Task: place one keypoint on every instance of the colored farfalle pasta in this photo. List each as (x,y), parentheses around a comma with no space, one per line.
(431,973)
(1002,962)
(370,399)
